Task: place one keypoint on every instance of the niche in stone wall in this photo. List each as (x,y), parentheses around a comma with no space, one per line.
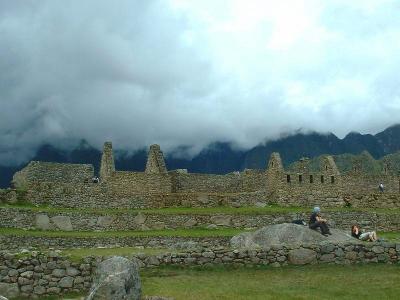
(322,179)
(332,179)
(288,178)
(300,178)
(311,179)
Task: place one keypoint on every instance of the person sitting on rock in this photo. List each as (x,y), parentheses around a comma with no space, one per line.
(316,221)
(366,236)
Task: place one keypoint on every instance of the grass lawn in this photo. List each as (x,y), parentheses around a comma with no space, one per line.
(180,232)
(308,282)
(250,210)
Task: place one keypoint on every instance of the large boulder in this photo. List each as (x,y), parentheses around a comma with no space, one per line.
(286,233)
(116,278)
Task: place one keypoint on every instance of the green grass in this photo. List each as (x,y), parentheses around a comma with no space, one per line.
(198,232)
(308,282)
(251,210)
(181,232)
(390,236)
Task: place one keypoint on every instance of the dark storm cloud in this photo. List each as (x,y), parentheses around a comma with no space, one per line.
(192,72)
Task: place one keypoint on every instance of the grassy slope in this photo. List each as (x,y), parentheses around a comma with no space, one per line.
(308,282)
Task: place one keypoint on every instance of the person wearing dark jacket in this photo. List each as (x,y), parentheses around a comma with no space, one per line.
(366,236)
(316,221)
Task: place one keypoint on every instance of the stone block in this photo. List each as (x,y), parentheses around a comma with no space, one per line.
(302,256)
(66,282)
(140,219)
(39,290)
(42,222)
(58,273)
(72,271)
(190,223)
(221,220)
(104,221)
(62,223)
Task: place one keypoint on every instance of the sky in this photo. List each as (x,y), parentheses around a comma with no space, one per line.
(190,73)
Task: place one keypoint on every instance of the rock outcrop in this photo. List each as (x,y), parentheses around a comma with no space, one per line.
(286,233)
(116,278)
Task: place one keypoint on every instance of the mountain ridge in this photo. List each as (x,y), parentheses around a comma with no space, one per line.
(221,158)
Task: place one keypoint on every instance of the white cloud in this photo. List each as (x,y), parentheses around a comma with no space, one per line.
(193,72)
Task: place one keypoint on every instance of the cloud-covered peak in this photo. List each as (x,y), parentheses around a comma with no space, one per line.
(189,73)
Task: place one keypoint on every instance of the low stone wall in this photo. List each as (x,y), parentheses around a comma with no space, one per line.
(50,274)
(8,242)
(374,200)
(108,195)
(85,221)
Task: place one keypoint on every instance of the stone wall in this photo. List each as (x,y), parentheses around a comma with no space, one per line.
(121,194)
(52,274)
(129,184)
(13,242)
(81,221)
(37,171)
(374,200)
(67,185)
(359,183)
(308,189)
(237,182)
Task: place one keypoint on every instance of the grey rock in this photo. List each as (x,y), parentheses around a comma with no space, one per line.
(104,221)
(302,256)
(152,260)
(42,221)
(26,288)
(39,290)
(62,222)
(58,273)
(53,290)
(140,219)
(221,220)
(116,278)
(72,271)
(3,298)
(158,225)
(260,204)
(378,249)
(9,290)
(13,273)
(66,282)
(190,223)
(286,233)
(203,199)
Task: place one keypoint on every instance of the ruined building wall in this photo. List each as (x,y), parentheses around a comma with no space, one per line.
(37,171)
(305,188)
(247,181)
(130,183)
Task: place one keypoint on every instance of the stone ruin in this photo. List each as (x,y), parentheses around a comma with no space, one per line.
(70,185)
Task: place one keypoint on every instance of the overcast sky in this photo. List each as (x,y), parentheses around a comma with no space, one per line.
(190,73)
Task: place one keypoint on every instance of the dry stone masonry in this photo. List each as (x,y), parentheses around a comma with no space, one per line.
(35,273)
(70,185)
